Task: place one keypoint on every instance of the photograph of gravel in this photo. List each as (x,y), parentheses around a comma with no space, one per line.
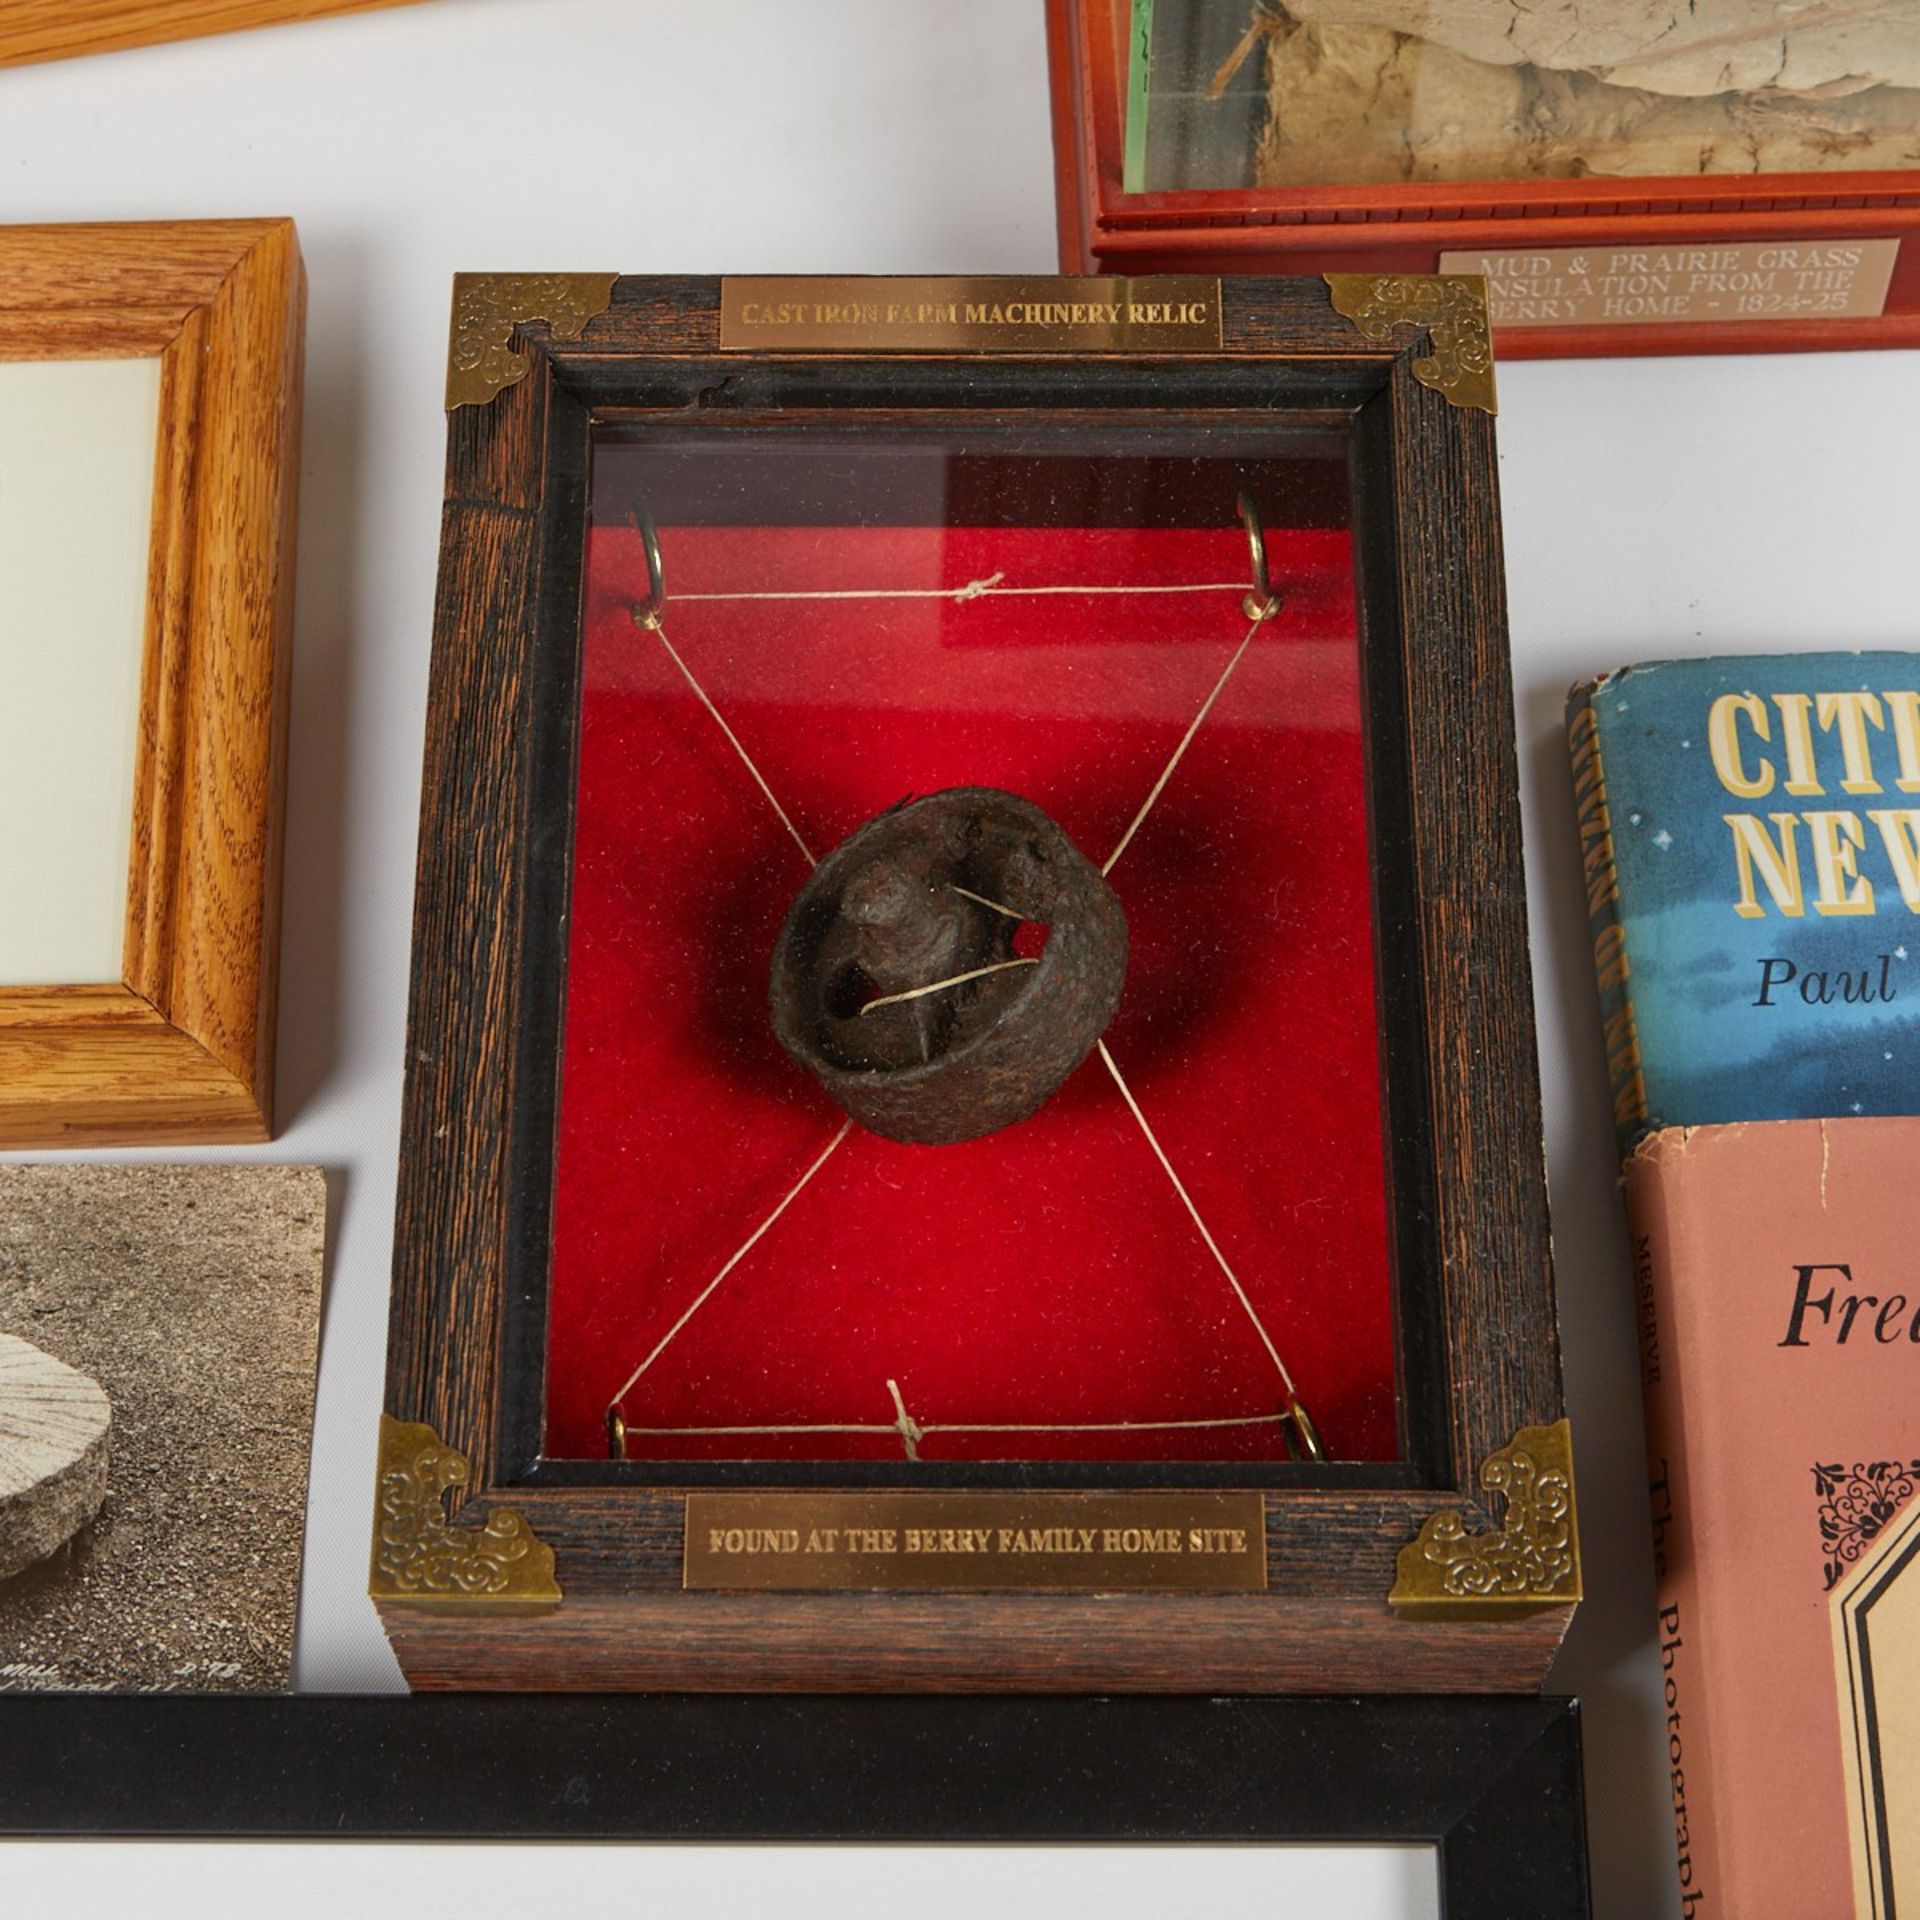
(159,1333)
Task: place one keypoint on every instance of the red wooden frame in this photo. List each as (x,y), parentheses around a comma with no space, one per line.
(1405,228)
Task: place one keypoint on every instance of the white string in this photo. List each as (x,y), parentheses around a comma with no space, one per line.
(1101,1426)
(1265,614)
(966,1426)
(967,893)
(953,980)
(905,1425)
(1213,1246)
(989,587)
(973,590)
(909,1430)
(752,1241)
(653,624)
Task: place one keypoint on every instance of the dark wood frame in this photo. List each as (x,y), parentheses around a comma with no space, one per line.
(1494,1785)
(1405,227)
(1475,1288)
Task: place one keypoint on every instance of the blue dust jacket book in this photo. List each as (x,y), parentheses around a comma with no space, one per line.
(1750,834)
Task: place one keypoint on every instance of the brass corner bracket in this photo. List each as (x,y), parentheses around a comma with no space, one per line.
(1529,1564)
(488,306)
(421,1559)
(1450,308)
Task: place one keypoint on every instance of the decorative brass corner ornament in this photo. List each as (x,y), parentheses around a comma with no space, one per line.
(1531,1563)
(488,306)
(1451,308)
(421,1559)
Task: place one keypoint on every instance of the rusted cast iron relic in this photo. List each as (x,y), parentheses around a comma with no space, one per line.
(897,982)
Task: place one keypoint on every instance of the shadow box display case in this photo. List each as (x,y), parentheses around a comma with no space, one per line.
(972,1117)
(1724,176)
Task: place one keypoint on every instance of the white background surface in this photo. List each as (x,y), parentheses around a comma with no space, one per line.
(736,1883)
(76,520)
(1651,508)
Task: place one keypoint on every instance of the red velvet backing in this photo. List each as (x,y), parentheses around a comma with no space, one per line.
(1047,1273)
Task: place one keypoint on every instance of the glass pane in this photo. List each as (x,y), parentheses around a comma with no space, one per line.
(76,511)
(1046,610)
(1367,92)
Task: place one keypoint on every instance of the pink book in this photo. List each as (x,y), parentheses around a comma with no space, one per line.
(1777,1265)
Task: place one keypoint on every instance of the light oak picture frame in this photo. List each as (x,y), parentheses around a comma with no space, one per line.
(180,1047)
(32,30)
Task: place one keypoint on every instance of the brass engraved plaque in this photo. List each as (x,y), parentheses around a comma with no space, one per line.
(1664,286)
(1027,313)
(977,1542)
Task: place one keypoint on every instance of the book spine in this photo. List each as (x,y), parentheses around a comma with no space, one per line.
(1684,1629)
(1626,1076)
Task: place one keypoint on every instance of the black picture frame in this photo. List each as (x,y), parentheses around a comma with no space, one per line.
(1493,1784)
